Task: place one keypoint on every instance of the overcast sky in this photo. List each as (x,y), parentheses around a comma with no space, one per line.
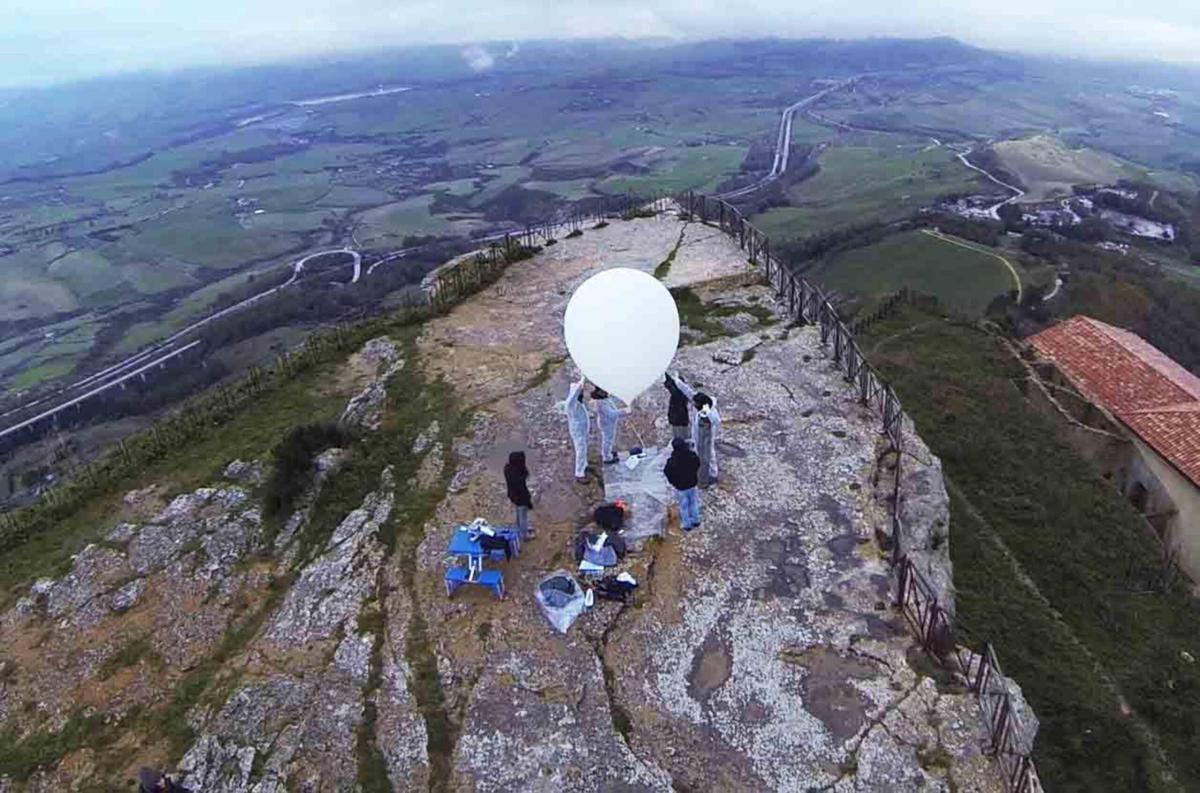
(44,41)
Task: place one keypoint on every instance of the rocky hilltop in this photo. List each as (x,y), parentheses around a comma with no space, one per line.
(319,651)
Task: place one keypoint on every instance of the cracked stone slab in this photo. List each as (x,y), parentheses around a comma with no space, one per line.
(742,666)
(547,727)
(400,732)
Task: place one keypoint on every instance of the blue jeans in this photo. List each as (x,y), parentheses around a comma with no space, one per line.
(689,507)
(522,519)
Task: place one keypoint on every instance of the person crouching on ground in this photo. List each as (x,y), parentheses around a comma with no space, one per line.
(683,471)
(677,409)
(706,427)
(516,478)
(608,416)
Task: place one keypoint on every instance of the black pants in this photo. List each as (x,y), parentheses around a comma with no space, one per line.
(495,544)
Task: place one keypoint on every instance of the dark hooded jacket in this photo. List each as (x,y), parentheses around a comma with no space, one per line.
(152,781)
(683,466)
(515,476)
(677,409)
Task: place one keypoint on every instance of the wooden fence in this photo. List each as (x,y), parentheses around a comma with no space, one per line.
(935,628)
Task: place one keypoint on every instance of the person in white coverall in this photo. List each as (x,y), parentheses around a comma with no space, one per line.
(608,416)
(706,428)
(579,423)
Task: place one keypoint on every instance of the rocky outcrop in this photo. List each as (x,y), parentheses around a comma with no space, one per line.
(924,512)
(546,724)
(381,356)
(773,658)
(295,722)
(330,590)
(151,598)
(400,732)
(764,652)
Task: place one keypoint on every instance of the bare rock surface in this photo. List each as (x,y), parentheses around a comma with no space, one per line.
(768,653)
(764,653)
(378,360)
(132,614)
(306,679)
(761,654)
(330,590)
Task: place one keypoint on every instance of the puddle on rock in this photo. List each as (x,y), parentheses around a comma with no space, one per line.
(787,567)
(710,669)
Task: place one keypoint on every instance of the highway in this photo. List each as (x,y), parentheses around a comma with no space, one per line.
(783,141)
(161,352)
(99,389)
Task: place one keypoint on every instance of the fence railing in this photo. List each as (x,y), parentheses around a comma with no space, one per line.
(807,304)
(590,211)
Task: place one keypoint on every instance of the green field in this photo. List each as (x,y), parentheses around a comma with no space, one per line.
(963,280)
(209,236)
(698,168)
(150,278)
(391,223)
(1048,168)
(860,184)
(290,221)
(354,196)
(36,358)
(86,273)
(24,297)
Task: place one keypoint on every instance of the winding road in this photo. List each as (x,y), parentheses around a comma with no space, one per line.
(993,211)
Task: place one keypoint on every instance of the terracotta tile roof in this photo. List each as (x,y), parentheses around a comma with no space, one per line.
(1155,397)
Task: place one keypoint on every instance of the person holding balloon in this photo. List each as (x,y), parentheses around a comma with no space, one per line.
(621,328)
(608,417)
(706,426)
(579,424)
(678,415)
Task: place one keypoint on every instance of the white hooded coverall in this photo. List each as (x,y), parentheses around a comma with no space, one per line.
(579,424)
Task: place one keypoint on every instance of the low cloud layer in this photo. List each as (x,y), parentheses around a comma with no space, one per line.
(52,40)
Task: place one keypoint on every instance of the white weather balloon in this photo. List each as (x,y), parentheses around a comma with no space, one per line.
(622,330)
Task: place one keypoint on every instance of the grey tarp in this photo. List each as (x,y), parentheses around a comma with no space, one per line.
(646,490)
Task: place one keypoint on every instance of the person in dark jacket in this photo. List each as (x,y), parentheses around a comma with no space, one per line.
(516,477)
(677,409)
(683,472)
(151,780)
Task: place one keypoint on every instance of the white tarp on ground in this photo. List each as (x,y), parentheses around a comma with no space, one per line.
(561,599)
(645,490)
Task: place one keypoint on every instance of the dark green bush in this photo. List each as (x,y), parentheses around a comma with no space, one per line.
(292,464)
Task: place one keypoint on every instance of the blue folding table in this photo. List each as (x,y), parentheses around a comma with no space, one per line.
(461,545)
